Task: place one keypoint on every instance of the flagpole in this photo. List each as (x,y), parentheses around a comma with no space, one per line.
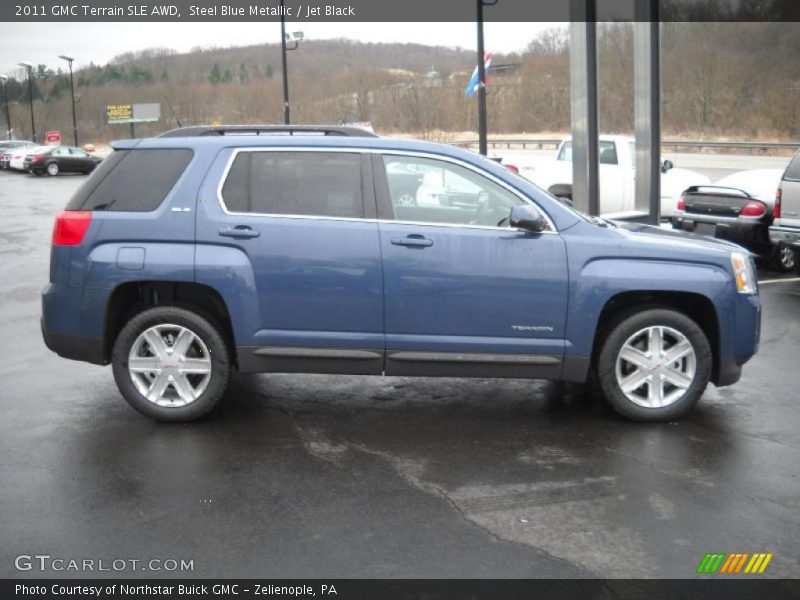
(482,142)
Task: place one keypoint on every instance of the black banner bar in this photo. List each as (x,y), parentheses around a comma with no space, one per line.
(734,588)
(381,10)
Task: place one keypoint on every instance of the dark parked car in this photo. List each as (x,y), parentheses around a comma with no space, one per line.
(186,258)
(64,159)
(739,208)
(7,148)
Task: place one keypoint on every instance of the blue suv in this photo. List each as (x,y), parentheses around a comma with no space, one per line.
(325,250)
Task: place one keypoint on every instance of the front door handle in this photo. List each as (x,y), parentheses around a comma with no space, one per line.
(240,231)
(413,241)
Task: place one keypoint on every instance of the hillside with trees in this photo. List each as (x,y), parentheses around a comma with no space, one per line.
(732,79)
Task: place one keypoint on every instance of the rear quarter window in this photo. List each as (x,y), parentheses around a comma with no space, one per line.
(132,180)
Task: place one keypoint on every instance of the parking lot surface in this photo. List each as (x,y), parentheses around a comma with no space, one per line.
(318,476)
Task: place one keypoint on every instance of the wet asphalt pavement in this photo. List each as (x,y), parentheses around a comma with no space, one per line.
(318,476)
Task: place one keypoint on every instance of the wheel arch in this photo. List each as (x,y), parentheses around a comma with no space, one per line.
(132,297)
(694,305)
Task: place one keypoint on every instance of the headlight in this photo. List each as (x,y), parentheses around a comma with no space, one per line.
(743,273)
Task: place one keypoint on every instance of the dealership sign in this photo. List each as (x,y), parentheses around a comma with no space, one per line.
(52,138)
(149,112)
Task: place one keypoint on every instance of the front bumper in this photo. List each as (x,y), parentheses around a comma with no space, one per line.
(787,236)
(741,337)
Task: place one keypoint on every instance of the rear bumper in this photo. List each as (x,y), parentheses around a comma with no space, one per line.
(74,347)
(751,233)
(64,328)
(788,236)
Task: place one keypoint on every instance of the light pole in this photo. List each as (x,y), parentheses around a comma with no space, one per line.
(29,67)
(482,143)
(295,38)
(72,92)
(8,111)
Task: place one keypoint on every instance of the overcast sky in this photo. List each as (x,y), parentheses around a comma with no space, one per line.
(99,42)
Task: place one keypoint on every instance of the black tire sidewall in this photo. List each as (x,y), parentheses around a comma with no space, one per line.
(797,260)
(624,327)
(209,333)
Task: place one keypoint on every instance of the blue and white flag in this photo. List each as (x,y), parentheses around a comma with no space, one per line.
(473,84)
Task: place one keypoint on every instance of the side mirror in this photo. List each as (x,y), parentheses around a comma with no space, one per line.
(526,216)
(666,165)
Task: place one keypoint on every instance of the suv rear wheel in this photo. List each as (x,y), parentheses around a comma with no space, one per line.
(654,364)
(797,260)
(783,258)
(171,364)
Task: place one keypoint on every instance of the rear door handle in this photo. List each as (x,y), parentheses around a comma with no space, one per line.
(240,231)
(413,241)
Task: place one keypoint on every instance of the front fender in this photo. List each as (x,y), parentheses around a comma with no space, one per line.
(601,280)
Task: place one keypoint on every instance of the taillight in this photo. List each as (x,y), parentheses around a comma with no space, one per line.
(70,227)
(36,158)
(512,168)
(753,208)
(681,203)
(776,212)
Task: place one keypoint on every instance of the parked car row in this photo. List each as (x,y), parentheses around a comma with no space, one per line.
(745,208)
(27,157)
(11,148)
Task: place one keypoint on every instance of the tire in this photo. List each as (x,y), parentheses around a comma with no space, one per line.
(52,169)
(630,332)
(207,350)
(797,260)
(783,259)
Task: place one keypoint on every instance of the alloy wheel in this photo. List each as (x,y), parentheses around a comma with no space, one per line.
(170,365)
(656,366)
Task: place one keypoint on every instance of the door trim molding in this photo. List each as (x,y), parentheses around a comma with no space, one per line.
(474,357)
(299,352)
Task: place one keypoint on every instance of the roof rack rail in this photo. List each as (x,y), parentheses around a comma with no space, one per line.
(299,130)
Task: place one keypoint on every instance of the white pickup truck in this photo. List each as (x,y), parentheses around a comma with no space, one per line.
(617,157)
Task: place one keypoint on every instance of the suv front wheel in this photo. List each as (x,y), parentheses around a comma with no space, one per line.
(654,364)
(171,364)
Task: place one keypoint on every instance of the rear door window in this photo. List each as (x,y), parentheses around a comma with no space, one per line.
(132,180)
(323,184)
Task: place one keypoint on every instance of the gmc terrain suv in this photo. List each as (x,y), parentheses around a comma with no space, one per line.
(257,249)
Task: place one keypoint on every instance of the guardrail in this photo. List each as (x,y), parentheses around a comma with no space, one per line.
(541,144)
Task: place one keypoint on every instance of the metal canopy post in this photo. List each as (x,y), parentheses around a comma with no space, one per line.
(647,102)
(583,93)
